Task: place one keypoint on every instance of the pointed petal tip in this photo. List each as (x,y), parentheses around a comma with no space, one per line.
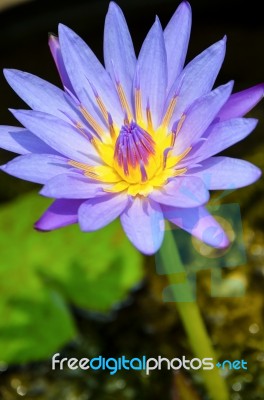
(148,253)
(12,110)
(38,227)
(224,244)
(52,34)
(113,6)
(6,70)
(44,192)
(63,29)
(12,75)
(240,103)
(216,237)
(114,10)
(157,23)
(261,87)
(220,44)
(9,72)
(258,174)
(229,86)
(185,4)
(15,112)
(253,121)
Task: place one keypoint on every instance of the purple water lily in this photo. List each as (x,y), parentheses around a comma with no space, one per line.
(136,139)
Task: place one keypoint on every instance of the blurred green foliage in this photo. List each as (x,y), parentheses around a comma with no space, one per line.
(42,273)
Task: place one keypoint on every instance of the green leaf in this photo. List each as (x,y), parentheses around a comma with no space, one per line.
(33,325)
(41,272)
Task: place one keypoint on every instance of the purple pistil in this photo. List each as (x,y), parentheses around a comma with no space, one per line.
(133,148)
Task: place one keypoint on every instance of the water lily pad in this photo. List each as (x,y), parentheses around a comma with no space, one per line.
(42,273)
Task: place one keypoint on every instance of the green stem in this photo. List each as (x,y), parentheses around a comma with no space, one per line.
(191,317)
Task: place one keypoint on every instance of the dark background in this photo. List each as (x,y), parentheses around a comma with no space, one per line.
(24,30)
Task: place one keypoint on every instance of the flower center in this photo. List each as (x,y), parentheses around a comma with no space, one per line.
(133,150)
(136,158)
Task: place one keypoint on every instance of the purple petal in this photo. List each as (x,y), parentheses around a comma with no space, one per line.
(176,36)
(60,213)
(199,223)
(96,213)
(59,135)
(143,223)
(119,54)
(54,46)
(226,173)
(72,186)
(241,103)
(197,78)
(200,115)
(83,67)
(21,141)
(220,136)
(153,80)
(38,168)
(182,192)
(40,95)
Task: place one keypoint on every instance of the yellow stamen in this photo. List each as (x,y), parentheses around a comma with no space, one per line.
(112,131)
(140,189)
(105,150)
(172,161)
(98,129)
(183,155)
(176,132)
(123,101)
(182,119)
(117,187)
(79,165)
(102,108)
(79,126)
(169,112)
(138,105)
(149,119)
(99,173)
(179,171)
